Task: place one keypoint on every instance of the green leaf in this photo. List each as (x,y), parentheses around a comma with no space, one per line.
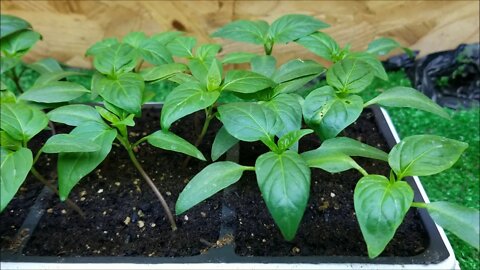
(382,46)
(154,52)
(222,143)
(297,68)
(162,72)
(423,155)
(74,115)
(21,121)
(293,85)
(460,220)
(54,92)
(320,44)
(294,26)
(288,109)
(214,75)
(207,51)
(47,65)
(199,69)
(67,143)
(264,64)
(100,46)
(14,169)
(244,31)
(7,96)
(375,64)
(291,138)
(116,59)
(249,121)
(169,141)
(107,115)
(284,180)
(330,160)
(125,91)
(206,183)
(353,148)
(238,57)
(11,24)
(186,99)
(6,141)
(408,97)
(134,39)
(51,77)
(166,37)
(350,76)
(243,81)
(182,46)
(181,78)
(72,167)
(380,207)
(328,114)
(19,43)
(8,62)
(127,121)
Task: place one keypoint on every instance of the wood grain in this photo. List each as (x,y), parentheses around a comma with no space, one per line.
(70,27)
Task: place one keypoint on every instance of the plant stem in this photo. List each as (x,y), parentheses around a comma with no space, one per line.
(139,66)
(44,181)
(149,181)
(419,205)
(208,117)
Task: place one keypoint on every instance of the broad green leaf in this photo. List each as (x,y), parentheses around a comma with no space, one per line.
(7,96)
(8,62)
(206,183)
(182,46)
(244,31)
(96,85)
(297,68)
(294,26)
(460,220)
(284,180)
(11,24)
(134,39)
(214,75)
(328,114)
(288,109)
(74,115)
(107,115)
(166,37)
(72,167)
(14,169)
(293,85)
(181,78)
(125,91)
(21,121)
(222,143)
(353,148)
(249,121)
(116,59)
(375,64)
(162,72)
(100,46)
(264,64)
(154,52)
(19,43)
(238,57)
(50,77)
(291,138)
(408,97)
(350,76)
(169,141)
(380,207)
(207,51)
(243,81)
(186,99)
(199,69)
(6,141)
(54,92)
(320,44)
(46,65)
(423,155)
(330,160)
(382,46)
(67,143)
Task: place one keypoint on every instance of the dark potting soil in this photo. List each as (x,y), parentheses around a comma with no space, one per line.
(11,219)
(329,226)
(124,218)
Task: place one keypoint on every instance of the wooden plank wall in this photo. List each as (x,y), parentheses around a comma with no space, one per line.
(70,27)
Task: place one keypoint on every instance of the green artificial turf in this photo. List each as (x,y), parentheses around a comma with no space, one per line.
(460,184)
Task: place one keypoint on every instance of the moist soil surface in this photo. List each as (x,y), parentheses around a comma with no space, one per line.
(329,226)
(124,218)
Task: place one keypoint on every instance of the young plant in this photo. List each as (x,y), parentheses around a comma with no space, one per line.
(283,175)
